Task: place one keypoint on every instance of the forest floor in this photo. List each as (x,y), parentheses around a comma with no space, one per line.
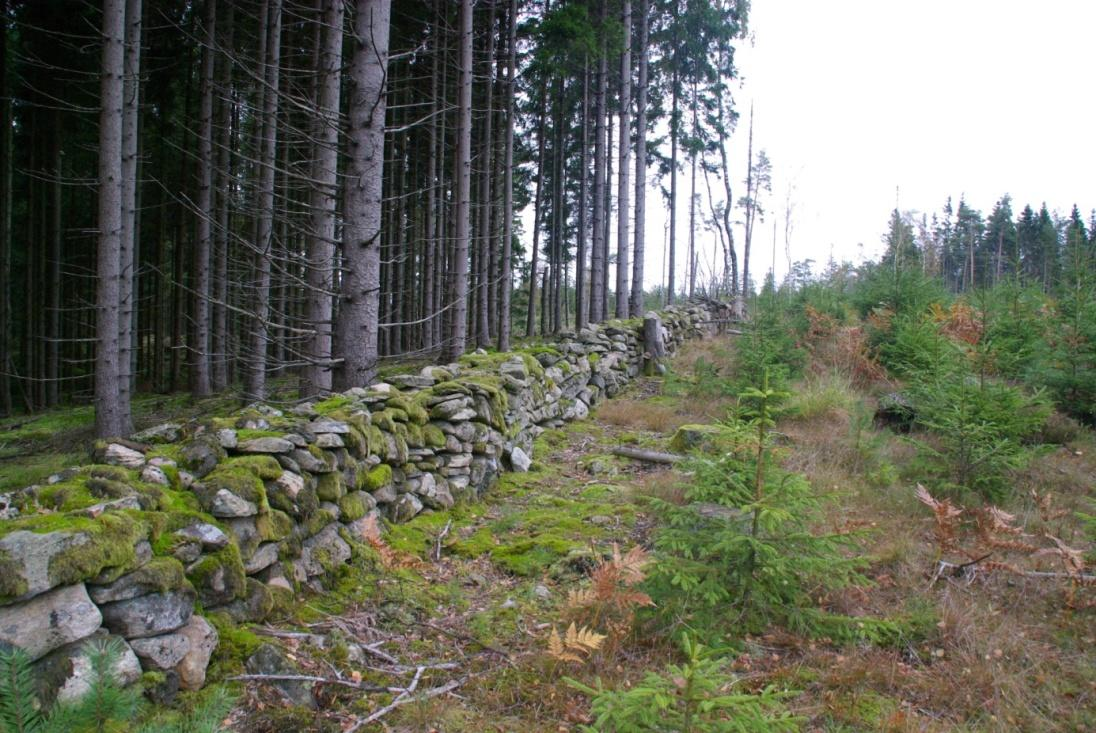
(466,600)
(459,606)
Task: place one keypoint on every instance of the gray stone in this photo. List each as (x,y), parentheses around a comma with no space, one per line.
(31,553)
(263,557)
(519,461)
(324,551)
(311,463)
(329,440)
(246,533)
(227,438)
(405,508)
(49,620)
(412,381)
(120,455)
(150,615)
(325,425)
(385,494)
(66,674)
(203,640)
(298,441)
(161,652)
(166,433)
(155,475)
(164,574)
(226,504)
(270,660)
(201,456)
(210,537)
(265,445)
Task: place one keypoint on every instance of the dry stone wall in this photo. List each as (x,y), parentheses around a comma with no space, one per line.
(235,515)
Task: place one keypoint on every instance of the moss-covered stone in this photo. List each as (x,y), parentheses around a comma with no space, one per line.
(332,404)
(239,480)
(433,437)
(377,478)
(273,525)
(265,467)
(219,578)
(354,506)
(690,438)
(330,486)
(82,549)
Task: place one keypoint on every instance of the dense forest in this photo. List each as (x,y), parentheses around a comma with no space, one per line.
(212,195)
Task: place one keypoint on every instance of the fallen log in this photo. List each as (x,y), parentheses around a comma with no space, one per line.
(651,456)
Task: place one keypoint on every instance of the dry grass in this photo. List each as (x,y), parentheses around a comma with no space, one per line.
(637,414)
(1004,654)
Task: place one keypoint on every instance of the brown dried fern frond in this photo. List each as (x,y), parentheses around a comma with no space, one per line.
(946,515)
(576,645)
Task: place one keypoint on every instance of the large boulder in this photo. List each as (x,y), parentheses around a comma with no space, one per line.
(66,674)
(202,638)
(49,621)
(149,615)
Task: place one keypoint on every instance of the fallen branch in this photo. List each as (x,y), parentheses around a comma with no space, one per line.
(465,638)
(650,456)
(957,569)
(361,686)
(405,697)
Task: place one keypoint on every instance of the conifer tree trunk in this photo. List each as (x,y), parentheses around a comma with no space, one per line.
(462,172)
(53,331)
(6,325)
(531,319)
(112,416)
(483,319)
(624,167)
(316,378)
(131,112)
(271,27)
(598,265)
(356,328)
(506,279)
(639,247)
(581,301)
(675,127)
(200,377)
(222,191)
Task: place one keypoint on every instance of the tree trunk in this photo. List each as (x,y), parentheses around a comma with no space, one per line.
(581,300)
(597,261)
(316,377)
(462,175)
(624,209)
(483,319)
(222,190)
(200,378)
(6,325)
(356,328)
(639,248)
(508,192)
(531,316)
(675,131)
(131,112)
(255,389)
(112,415)
(56,236)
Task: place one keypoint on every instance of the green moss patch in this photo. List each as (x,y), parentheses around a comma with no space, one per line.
(264,467)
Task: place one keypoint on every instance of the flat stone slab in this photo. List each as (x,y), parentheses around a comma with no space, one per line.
(265,445)
(50,620)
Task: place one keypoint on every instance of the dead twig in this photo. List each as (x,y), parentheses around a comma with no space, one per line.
(437,542)
(405,697)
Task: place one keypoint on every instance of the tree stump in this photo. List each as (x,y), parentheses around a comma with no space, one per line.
(654,348)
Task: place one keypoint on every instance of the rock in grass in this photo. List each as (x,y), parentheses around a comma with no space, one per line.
(270,660)
(49,621)
(519,461)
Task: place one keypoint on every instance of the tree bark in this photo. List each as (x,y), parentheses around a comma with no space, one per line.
(582,303)
(200,378)
(483,319)
(462,175)
(222,191)
(597,260)
(508,192)
(531,316)
(624,209)
(112,415)
(316,377)
(255,389)
(356,328)
(6,325)
(639,246)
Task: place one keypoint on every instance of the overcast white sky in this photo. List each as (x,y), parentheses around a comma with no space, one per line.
(939,97)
